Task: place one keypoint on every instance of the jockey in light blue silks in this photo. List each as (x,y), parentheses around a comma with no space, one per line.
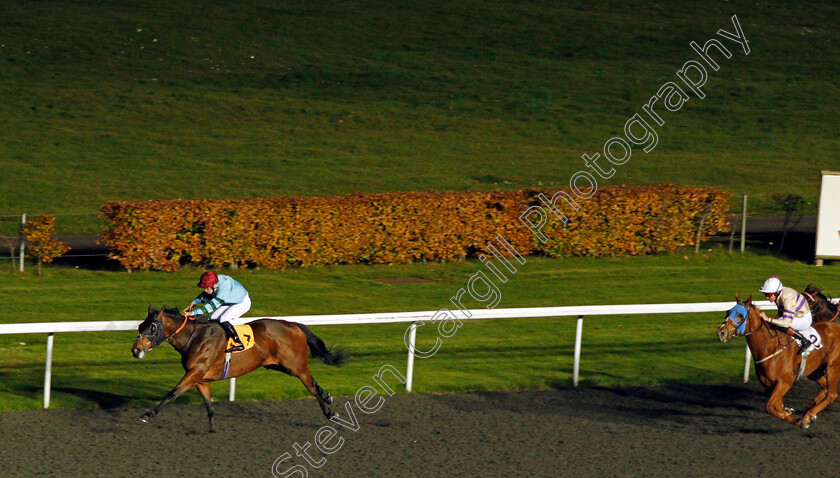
(226,298)
(793,312)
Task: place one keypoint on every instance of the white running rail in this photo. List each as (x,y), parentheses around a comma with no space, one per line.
(414,318)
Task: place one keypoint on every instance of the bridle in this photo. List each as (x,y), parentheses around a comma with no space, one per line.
(740,327)
(740,309)
(156,336)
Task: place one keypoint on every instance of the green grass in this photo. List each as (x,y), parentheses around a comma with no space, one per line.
(96,369)
(112,101)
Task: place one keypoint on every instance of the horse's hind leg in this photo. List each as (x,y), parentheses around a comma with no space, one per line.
(324,398)
(824,398)
(204,390)
(820,396)
(325,395)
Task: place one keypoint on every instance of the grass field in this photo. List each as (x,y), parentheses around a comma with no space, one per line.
(97,369)
(112,101)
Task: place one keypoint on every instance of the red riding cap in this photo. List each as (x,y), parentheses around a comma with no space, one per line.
(208,279)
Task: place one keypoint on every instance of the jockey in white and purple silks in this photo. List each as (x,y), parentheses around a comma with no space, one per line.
(793,312)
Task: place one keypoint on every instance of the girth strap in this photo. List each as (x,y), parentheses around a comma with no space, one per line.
(227,366)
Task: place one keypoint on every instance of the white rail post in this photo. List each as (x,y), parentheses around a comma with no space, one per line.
(232,390)
(409,367)
(743,223)
(22,240)
(48,372)
(747,365)
(578,337)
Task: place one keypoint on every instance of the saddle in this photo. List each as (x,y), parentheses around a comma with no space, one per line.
(246,335)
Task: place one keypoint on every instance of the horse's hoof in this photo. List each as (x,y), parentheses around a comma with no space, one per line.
(145,418)
(329,398)
(805,425)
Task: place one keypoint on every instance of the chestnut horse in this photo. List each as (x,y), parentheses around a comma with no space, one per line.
(278,345)
(821,307)
(777,360)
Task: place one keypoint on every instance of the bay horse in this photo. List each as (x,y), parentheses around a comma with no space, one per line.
(777,360)
(821,307)
(278,345)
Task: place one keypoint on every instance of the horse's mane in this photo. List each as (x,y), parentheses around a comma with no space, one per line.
(175,314)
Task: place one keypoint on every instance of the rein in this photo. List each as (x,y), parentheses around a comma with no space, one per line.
(179,328)
(186,319)
(774,353)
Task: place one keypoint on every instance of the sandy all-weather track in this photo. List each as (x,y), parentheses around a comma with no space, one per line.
(679,430)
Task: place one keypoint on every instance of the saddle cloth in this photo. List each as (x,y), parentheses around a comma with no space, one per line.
(246,335)
(814,337)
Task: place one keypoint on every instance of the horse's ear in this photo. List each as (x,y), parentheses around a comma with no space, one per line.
(737,299)
(159,314)
(151,309)
(748,302)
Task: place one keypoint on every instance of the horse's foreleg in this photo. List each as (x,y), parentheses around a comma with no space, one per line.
(204,390)
(775,405)
(187,382)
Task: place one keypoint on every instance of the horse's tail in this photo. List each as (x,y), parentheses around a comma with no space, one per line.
(318,349)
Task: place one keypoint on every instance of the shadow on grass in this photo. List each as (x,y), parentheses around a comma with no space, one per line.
(102,399)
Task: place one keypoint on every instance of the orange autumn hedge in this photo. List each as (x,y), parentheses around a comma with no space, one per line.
(398,227)
(637,220)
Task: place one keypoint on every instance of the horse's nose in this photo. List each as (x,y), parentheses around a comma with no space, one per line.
(721,335)
(138,353)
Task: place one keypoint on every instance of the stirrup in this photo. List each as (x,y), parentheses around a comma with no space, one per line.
(803,343)
(235,348)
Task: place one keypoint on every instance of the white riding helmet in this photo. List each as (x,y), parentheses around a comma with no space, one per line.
(771,286)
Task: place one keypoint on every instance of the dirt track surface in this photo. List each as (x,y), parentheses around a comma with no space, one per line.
(717,430)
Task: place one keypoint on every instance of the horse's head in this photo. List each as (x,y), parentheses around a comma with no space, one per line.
(821,306)
(151,333)
(735,322)
(813,295)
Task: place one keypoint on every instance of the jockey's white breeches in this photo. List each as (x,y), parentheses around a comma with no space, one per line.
(228,312)
(803,326)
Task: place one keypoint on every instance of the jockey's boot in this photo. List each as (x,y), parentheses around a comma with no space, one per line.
(805,345)
(231,334)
